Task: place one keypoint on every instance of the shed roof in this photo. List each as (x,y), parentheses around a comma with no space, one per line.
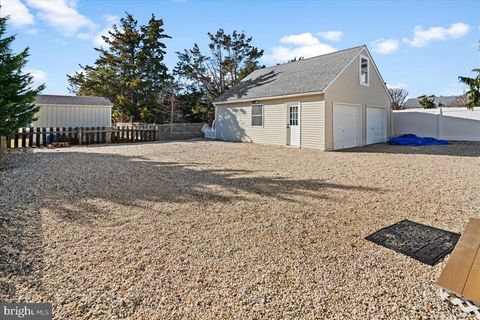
(303,76)
(72,100)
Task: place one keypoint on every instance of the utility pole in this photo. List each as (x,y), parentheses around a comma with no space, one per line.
(172,108)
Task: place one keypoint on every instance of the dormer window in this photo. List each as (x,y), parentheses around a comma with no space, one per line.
(364,70)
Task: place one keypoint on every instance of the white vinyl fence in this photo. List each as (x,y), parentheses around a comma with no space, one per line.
(441,123)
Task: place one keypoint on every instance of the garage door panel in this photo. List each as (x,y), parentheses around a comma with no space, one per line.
(347,126)
(376,125)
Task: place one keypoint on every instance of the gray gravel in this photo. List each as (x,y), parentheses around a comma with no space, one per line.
(226,230)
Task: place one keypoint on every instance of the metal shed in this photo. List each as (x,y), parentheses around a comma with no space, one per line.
(73,111)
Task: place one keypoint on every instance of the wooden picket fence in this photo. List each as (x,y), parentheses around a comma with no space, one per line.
(42,137)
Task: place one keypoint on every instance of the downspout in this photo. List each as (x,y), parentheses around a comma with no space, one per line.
(214,124)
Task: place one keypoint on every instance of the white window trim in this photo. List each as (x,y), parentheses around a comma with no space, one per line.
(360,70)
(251,115)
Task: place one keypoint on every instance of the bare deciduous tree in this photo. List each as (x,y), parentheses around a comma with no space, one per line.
(398,98)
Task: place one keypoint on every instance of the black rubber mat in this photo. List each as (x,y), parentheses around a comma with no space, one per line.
(421,242)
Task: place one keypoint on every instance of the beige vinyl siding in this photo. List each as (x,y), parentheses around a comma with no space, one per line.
(73,116)
(233,122)
(348,90)
(312,124)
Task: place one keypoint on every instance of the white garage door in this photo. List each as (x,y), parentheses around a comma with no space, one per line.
(376,125)
(347,126)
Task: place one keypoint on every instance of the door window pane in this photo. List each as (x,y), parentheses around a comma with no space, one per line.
(294,116)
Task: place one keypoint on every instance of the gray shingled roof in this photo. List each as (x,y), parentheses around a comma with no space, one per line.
(446,101)
(72,100)
(303,76)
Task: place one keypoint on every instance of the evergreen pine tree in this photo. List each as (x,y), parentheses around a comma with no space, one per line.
(473,93)
(17,108)
(129,70)
(155,78)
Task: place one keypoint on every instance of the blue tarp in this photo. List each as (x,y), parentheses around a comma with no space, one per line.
(413,140)
(51,137)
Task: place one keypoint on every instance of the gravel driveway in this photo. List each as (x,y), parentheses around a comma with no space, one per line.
(204,229)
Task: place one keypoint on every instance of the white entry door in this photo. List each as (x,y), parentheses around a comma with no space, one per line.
(376,125)
(347,126)
(294,125)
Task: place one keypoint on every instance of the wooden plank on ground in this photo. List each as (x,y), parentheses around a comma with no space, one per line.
(472,286)
(457,271)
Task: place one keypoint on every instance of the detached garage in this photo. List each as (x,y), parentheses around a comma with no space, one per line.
(329,102)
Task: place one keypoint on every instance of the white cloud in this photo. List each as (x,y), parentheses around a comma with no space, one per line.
(331,35)
(304,39)
(422,37)
(458,30)
(61,14)
(398,85)
(300,45)
(98,40)
(39,76)
(96,37)
(19,14)
(110,18)
(385,46)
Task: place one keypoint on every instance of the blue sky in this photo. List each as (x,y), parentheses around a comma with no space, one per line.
(418,45)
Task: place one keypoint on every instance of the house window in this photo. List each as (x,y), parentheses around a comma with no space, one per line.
(257,115)
(364,68)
